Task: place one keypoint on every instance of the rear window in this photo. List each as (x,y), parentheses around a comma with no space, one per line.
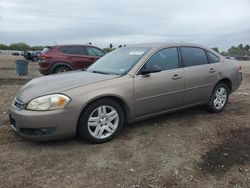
(212,58)
(193,56)
(75,50)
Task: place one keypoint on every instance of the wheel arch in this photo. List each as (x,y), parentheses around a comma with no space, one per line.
(226,81)
(116,98)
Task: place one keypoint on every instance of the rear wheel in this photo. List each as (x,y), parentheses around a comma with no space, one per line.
(61,69)
(219,98)
(101,121)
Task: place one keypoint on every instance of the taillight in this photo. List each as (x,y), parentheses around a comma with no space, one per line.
(44,56)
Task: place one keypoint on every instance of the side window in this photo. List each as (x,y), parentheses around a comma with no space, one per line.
(63,50)
(212,58)
(193,56)
(75,50)
(94,51)
(165,59)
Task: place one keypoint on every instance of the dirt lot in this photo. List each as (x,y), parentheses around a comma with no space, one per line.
(191,148)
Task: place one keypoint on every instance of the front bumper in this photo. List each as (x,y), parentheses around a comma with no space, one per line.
(43,125)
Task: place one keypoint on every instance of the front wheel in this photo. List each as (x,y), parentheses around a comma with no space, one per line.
(101,121)
(219,98)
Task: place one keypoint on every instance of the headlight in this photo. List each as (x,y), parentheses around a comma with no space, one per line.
(48,102)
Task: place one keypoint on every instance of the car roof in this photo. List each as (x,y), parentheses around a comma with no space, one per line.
(68,45)
(156,46)
(162,44)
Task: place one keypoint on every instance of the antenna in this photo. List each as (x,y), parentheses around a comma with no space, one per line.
(55,42)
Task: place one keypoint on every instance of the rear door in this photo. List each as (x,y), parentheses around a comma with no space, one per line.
(200,76)
(77,56)
(161,91)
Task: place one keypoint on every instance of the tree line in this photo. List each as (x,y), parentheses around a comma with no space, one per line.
(20,46)
(239,50)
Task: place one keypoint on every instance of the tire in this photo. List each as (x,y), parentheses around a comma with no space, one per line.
(60,69)
(96,126)
(219,98)
(35,59)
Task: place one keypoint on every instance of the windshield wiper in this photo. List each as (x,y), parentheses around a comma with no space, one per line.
(100,72)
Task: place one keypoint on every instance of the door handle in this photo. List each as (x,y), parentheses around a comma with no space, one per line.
(211,70)
(176,76)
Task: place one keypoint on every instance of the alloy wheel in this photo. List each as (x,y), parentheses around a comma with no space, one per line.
(103,122)
(220,98)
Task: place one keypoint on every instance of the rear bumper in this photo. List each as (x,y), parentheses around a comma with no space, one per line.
(45,68)
(44,72)
(43,125)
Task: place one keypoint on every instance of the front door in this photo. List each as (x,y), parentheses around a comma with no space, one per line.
(160,91)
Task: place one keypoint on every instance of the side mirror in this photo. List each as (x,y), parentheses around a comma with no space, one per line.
(149,70)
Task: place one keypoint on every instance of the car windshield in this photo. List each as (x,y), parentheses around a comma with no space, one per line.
(119,61)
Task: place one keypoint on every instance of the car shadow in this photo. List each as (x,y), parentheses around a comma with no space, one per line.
(186,115)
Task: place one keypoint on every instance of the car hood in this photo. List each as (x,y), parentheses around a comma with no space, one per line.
(58,83)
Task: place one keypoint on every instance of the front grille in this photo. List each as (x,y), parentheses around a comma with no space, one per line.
(38,131)
(18,103)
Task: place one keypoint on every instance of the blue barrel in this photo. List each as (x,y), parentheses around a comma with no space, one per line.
(21,67)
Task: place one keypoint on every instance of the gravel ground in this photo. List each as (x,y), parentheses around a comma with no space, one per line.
(190,148)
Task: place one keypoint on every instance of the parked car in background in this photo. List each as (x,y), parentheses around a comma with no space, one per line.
(62,58)
(32,55)
(15,53)
(128,84)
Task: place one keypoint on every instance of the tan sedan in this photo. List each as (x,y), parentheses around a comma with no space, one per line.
(129,84)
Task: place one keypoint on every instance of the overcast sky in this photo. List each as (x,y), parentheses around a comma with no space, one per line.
(221,23)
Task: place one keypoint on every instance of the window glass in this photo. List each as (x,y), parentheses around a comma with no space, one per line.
(119,61)
(63,50)
(213,58)
(94,51)
(76,50)
(165,59)
(193,56)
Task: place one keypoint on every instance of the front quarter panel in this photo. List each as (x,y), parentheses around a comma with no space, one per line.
(121,87)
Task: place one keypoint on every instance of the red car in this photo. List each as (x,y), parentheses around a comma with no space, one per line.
(62,58)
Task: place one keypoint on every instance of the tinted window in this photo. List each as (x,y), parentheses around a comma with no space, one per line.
(164,59)
(212,58)
(76,50)
(94,51)
(63,50)
(192,56)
